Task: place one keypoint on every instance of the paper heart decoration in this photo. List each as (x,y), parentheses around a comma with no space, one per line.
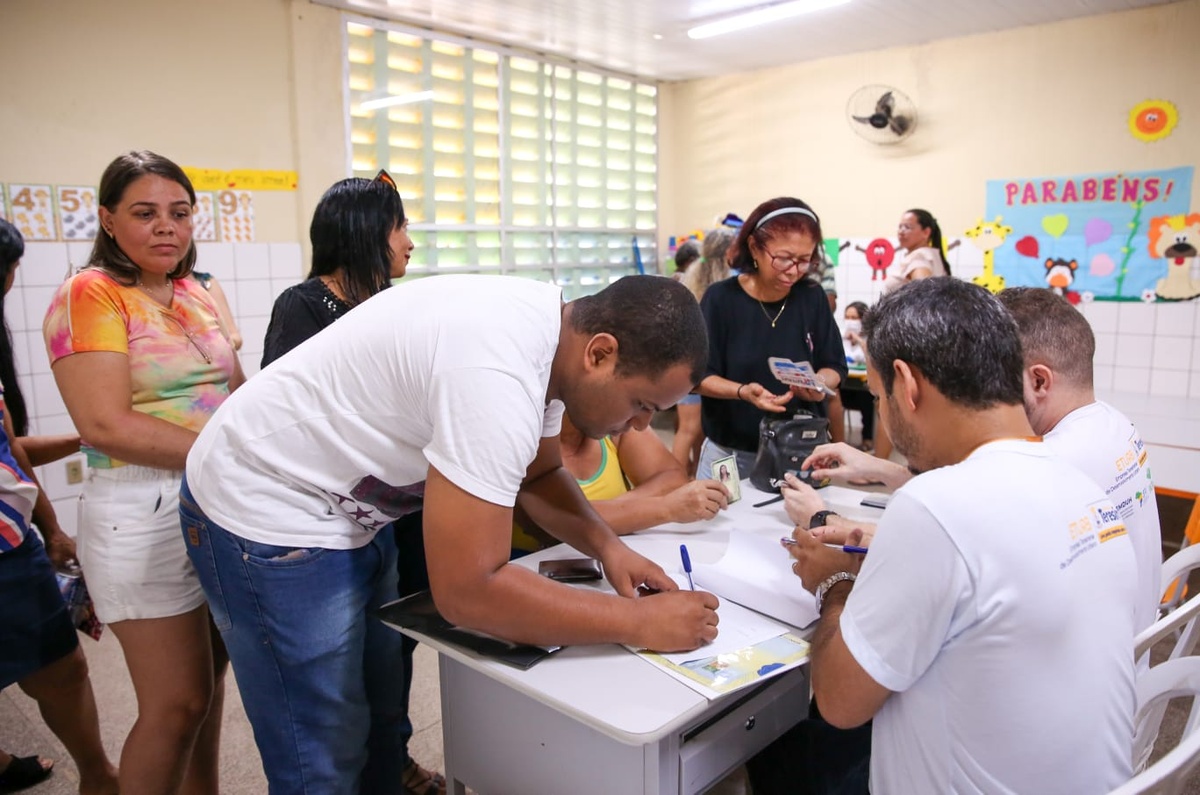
(1028,246)
(1102,265)
(1097,231)
(1055,225)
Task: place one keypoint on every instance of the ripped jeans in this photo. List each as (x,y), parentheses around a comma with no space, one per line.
(319,676)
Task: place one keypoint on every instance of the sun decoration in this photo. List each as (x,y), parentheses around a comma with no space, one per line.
(1153,119)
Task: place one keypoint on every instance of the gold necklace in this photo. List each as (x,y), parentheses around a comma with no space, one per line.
(150,291)
(768,314)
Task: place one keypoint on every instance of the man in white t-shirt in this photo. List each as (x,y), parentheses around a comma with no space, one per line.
(443,394)
(1059,347)
(988,631)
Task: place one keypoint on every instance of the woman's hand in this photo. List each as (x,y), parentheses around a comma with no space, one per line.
(757,395)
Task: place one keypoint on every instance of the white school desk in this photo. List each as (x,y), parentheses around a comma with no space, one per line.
(597,719)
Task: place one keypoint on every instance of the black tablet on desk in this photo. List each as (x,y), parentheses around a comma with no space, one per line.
(418,613)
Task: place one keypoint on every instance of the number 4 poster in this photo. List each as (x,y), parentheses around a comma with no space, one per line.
(31,211)
(77,212)
(236,213)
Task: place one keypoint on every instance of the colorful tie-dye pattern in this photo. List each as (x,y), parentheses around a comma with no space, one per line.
(179,360)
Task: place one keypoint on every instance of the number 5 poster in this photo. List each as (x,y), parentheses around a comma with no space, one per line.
(77,212)
(31,212)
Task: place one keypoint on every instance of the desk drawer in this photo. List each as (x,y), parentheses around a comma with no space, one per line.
(718,747)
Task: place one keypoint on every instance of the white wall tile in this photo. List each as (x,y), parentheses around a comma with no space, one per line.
(1172,353)
(1106,349)
(251,361)
(53,477)
(217,259)
(1102,315)
(43,264)
(286,261)
(279,285)
(1194,385)
(37,301)
(1168,383)
(254,331)
(56,424)
(1136,318)
(1102,376)
(21,356)
(67,511)
(1195,358)
(78,253)
(1132,379)
(14,307)
(1174,320)
(254,299)
(1134,350)
(252,260)
(46,399)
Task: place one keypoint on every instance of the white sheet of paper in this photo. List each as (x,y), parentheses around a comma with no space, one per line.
(737,629)
(756,572)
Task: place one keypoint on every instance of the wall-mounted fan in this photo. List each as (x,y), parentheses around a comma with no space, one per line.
(881,114)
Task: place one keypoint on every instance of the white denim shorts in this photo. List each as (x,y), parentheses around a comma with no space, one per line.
(130,545)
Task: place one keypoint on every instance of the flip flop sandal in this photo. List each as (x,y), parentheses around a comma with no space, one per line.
(23,772)
(416,780)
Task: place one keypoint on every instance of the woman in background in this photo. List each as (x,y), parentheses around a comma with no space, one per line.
(859,400)
(360,243)
(921,239)
(772,308)
(711,268)
(140,358)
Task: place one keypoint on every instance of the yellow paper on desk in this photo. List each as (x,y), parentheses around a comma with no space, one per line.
(756,572)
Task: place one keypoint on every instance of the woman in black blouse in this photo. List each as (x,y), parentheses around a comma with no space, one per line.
(360,243)
(771,308)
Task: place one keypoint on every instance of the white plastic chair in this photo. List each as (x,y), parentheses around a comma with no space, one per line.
(1178,678)
(1182,625)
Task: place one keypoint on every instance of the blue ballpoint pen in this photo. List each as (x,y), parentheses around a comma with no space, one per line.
(687,565)
(789,542)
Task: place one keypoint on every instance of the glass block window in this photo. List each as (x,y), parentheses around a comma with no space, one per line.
(508,163)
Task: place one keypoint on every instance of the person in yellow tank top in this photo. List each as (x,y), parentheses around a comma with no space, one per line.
(632,481)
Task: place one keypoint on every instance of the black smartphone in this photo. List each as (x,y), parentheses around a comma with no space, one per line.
(571,569)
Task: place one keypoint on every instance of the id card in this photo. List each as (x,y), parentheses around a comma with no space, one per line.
(798,374)
(725,472)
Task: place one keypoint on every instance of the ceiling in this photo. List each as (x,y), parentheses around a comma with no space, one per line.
(648,38)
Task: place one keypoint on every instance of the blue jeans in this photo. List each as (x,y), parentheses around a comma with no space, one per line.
(321,680)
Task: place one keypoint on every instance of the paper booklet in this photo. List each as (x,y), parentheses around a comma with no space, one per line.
(756,572)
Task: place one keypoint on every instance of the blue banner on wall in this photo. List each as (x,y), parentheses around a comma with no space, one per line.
(1091,234)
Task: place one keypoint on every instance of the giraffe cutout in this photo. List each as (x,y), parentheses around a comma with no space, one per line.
(987,237)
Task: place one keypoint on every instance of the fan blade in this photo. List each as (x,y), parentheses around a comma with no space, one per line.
(862,119)
(886,104)
(900,124)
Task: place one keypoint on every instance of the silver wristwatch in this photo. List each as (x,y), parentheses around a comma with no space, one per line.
(829,582)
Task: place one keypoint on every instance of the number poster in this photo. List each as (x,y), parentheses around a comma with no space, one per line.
(204,222)
(77,213)
(32,212)
(236,214)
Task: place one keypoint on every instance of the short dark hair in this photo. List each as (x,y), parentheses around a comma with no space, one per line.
(656,321)
(12,248)
(1052,332)
(858,306)
(120,174)
(350,230)
(785,223)
(956,333)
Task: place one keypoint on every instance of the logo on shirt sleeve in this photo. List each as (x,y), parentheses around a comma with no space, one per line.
(1100,524)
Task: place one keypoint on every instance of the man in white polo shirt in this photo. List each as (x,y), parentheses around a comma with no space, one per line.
(987,632)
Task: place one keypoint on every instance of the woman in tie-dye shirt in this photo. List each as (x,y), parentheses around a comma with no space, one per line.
(141,361)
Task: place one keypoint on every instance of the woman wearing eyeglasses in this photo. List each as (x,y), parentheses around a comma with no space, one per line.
(772,308)
(142,363)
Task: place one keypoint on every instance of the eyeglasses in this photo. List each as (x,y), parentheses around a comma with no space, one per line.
(195,343)
(386,178)
(782,262)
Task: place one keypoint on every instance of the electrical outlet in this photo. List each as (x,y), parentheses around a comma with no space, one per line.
(74,472)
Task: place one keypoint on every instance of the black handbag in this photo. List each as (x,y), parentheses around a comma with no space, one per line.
(783,444)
